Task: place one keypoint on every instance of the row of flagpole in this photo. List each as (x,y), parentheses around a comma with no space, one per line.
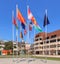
(17,30)
(31,18)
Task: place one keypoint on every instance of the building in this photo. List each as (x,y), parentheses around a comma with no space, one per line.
(20,47)
(6,52)
(27,47)
(31,50)
(1,46)
(47,43)
(15,48)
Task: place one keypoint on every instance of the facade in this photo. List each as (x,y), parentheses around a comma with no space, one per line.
(21,47)
(31,50)
(1,46)
(18,48)
(6,52)
(47,43)
(27,47)
(15,48)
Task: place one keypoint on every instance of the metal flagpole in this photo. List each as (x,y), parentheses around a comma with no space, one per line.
(13,31)
(28,36)
(16,29)
(45,37)
(27,26)
(34,38)
(34,41)
(28,32)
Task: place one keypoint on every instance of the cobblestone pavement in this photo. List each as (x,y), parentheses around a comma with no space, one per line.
(26,61)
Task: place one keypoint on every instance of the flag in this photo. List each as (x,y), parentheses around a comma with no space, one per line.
(15,23)
(21,35)
(25,32)
(38,28)
(23,26)
(30,26)
(46,21)
(31,17)
(20,17)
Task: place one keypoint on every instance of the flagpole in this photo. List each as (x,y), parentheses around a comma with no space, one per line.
(46,36)
(13,31)
(34,37)
(27,26)
(16,29)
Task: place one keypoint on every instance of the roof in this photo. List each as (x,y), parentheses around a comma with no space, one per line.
(43,34)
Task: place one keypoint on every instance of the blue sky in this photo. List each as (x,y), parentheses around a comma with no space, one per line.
(37,8)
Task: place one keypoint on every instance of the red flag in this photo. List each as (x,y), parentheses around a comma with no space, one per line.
(15,23)
(30,26)
(25,32)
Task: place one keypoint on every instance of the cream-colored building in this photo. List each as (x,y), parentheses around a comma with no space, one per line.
(21,47)
(27,47)
(47,43)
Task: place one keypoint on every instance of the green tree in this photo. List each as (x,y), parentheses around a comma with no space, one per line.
(8,45)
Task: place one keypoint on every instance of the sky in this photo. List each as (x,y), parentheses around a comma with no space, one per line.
(37,8)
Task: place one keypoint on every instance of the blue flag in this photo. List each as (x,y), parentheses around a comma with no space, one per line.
(23,25)
(46,21)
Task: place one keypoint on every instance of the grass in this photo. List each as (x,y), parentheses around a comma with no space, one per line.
(48,58)
(29,56)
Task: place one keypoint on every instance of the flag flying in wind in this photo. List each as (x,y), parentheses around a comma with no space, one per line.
(30,26)
(46,21)
(38,28)
(31,17)
(22,20)
(21,35)
(20,17)
(25,32)
(15,23)
(24,27)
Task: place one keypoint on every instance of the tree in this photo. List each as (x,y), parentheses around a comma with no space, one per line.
(8,45)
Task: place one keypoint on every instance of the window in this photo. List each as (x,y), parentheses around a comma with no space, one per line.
(41,42)
(47,37)
(36,43)
(40,38)
(52,46)
(58,45)
(37,52)
(47,46)
(23,45)
(36,39)
(41,47)
(53,40)
(58,39)
(15,47)
(53,36)
(47,41)
(36,47)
